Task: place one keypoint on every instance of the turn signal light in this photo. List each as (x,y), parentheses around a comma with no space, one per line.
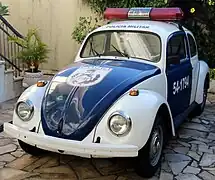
(41,83)
(134,92)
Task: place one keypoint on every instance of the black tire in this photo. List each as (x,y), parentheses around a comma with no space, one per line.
(32,150)
(200,107)
(145,167)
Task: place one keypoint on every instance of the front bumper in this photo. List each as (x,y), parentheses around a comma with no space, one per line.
(69,146)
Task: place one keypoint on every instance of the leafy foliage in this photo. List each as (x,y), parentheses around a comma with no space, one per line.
(212,74)
(100,5)
(34,51)
(202,25)
(85,25)
(88,24)
(4,10)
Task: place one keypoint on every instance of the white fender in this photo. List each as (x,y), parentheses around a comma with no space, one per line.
(35,95)
(203,70)
(142,110)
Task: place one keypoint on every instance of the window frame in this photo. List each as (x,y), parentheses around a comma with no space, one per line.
(175,34)
(189,42)
(121,30)
(104,45)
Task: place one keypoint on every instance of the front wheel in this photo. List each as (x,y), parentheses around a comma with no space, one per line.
(149,157)
(32,150)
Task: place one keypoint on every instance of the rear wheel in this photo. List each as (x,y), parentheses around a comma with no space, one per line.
(31,149)
(149,157)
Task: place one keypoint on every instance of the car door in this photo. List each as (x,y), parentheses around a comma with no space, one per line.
(195,64)
(179,75)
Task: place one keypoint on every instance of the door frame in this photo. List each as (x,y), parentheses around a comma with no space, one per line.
(187,58)
(195,64)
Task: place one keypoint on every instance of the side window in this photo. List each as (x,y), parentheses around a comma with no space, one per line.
(176,46)
(193,48)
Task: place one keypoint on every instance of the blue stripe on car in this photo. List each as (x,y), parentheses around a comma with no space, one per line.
(83,107)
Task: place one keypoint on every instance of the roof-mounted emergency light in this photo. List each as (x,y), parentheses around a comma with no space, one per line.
(159,14)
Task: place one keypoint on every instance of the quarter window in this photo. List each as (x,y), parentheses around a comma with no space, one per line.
(176,46)
(193,48)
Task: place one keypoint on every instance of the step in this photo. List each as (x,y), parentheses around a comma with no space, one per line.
(19,78)
(12,86)
(8,71)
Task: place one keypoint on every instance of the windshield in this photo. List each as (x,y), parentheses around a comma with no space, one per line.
(141,45)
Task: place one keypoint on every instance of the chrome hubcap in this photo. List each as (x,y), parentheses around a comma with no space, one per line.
(156,146)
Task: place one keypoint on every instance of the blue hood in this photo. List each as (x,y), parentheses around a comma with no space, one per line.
(77,97)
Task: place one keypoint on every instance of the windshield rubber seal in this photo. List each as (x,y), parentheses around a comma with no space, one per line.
(138,31)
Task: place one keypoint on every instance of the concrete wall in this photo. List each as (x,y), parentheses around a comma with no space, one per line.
(55,20)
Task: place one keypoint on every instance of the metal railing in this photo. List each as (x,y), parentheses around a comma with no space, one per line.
(9,50)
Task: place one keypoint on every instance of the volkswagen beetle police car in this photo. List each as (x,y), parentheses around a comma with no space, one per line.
(132,84)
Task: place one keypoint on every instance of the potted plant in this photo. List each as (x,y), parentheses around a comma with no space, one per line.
(33,53)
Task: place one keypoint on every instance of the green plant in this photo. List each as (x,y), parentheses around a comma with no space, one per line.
(99,5)
(3,10)
(84,26)
(212,74)
(34,51)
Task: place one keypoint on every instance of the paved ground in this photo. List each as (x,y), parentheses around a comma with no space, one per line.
(6,112)
(190,156)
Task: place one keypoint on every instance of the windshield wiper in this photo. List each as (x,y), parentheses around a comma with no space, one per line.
(122,53)
(94,51)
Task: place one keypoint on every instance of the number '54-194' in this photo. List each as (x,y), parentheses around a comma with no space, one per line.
(180,85)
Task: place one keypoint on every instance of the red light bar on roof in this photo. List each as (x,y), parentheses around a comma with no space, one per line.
(159,14)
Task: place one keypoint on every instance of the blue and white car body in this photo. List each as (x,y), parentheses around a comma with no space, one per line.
(93,89)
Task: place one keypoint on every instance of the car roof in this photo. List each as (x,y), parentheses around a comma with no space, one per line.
(158,27)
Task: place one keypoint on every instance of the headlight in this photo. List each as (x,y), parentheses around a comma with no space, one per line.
(119,123)
(25,110)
